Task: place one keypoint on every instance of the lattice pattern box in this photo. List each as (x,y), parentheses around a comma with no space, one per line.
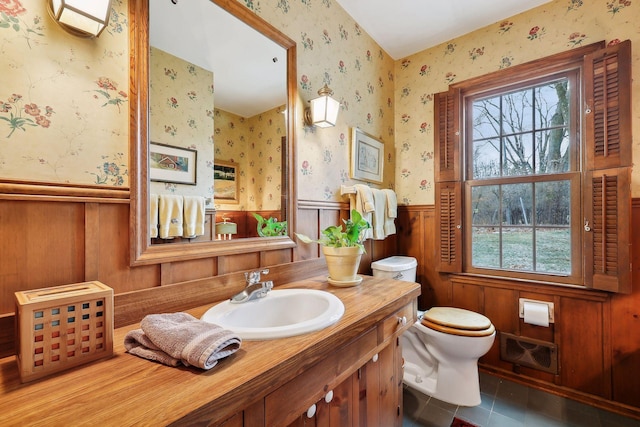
(62,327)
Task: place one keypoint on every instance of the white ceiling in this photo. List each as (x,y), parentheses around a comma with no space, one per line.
(249,70)
(405,27)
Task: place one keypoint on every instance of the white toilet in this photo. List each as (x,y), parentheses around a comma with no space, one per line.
(441,350)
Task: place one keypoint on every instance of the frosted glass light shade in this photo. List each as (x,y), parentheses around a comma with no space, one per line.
(324,110)
(86,18)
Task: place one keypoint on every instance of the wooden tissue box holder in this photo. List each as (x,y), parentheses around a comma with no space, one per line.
(62,327)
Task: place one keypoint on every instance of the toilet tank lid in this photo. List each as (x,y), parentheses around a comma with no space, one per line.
(395,263)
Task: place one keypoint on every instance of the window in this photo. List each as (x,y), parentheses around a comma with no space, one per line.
(532,172)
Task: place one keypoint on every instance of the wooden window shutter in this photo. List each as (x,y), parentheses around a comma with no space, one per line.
(449,227)
(607,183)
(608,106)
(448,181)
(608,231)
(447,135)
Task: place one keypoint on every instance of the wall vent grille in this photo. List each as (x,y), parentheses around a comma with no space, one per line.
(529,352)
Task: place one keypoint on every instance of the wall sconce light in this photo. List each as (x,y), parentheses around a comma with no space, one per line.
(81,17)
(324,109)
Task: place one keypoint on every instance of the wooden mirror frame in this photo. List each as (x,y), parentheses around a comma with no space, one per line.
(142,251)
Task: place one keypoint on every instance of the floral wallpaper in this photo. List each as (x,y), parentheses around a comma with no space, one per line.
(255,144)
(557,26)
(64,112)
(181,99)
(333,49)
(64,105)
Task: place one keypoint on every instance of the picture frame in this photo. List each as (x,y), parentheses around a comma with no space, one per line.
(225,181)
(367,157)
(168,163)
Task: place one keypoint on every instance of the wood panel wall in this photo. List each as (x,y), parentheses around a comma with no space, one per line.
(597,333)
(51,241)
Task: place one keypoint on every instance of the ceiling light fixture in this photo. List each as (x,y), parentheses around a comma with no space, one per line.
(81,18)
(324,109)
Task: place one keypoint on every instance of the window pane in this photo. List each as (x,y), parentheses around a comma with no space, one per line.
(517,248)
(486,118)
(485,205)
(516,204)
(553,250)
(552,203)
(486,158)
(552,105)
(517,112)
(518,155)
(552,151)
(485,247)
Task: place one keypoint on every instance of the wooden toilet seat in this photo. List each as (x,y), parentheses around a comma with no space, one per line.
(457,321)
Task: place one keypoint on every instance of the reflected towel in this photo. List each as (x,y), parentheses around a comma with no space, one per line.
(153,215)
(380,200)
(176,338)
(193,216)
(391,213)
(170,215)
(364,204)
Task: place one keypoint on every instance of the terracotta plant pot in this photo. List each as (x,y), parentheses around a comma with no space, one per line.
(343,262)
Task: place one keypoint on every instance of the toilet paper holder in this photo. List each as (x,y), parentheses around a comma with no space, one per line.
(521,302)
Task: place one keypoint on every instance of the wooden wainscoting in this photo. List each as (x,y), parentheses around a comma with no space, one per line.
(57,235)
(314,216)
(597,333)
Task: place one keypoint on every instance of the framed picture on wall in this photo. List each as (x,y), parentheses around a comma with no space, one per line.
(225,182)
(367,157)
(172,164)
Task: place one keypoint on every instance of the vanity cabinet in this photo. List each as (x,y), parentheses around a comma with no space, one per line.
(359,384)
(266,383)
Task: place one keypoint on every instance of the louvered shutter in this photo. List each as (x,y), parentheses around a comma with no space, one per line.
(449,226)
(447,135)
(608,101)
(448,182)
(607,189)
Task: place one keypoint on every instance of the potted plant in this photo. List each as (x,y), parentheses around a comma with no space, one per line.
(342,249)
(270,227)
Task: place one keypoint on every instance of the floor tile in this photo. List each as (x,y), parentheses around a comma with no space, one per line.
(499,420)
(508,404)
(476,415)
(535,419)
(609,419)
(434,415)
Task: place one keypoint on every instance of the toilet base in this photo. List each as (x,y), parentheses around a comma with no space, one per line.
(460,386)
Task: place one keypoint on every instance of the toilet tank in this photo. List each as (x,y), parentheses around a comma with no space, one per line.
(396,267)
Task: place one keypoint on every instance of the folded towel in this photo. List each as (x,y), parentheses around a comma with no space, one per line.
(176,338)
(391,213)
(392,203)
(153,215)
(364,204)
(137,343)
(193,216)
(170,215)
(380,200)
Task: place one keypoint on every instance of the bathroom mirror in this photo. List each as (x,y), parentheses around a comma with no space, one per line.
(142,127)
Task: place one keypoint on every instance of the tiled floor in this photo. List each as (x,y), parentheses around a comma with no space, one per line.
(508,404)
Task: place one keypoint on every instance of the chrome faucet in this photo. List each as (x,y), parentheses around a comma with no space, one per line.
(254,289)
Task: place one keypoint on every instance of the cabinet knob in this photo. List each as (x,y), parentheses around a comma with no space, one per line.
(375,357)
(402,321)
(311,411)
(329,396)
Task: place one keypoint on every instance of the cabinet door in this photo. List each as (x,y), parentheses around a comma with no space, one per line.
(335,413)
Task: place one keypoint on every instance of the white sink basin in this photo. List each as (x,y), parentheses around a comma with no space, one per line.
(282,313)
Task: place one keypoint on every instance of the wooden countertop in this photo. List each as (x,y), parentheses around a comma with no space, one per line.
(127,390)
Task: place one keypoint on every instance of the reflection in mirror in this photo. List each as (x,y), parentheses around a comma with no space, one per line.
(205,99)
